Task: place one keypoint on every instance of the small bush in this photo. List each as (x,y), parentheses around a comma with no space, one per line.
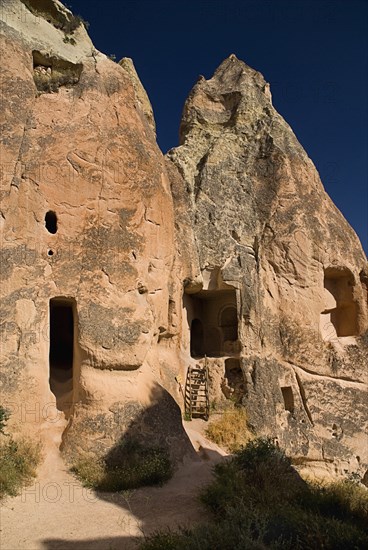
(260,473)
(69,40)
(230,430)
(130,466)
(259,501)
(89,471)
(342,499)
(18,463)
(260,454)
(71,23)
(165,540)
(222,536)
(46,82)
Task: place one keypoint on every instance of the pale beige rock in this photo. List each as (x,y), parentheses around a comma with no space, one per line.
(75,142)
(140,93)
(228,253)
(264,226)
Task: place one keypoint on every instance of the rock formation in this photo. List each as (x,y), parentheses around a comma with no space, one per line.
(87,239)
(271,244)
(121,268)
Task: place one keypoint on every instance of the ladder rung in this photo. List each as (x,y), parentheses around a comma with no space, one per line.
(196,391)
(198,400)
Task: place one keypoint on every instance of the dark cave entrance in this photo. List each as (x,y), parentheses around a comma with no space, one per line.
(61,352)
(213,320)
(196,338)
(287,394)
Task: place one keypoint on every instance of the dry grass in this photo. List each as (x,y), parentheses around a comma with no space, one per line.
(52,82)
(230,430)
(18,462)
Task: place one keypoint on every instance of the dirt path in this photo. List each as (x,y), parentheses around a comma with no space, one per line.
(56,512)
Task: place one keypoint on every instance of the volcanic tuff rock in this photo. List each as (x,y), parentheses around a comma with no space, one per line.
(264,226)
(87,222)
(121,268)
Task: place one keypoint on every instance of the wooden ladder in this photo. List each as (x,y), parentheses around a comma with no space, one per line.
(196,392)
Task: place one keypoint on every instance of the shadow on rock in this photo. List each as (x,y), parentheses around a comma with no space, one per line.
(155,474)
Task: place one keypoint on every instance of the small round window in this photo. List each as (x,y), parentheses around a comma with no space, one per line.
(51,222)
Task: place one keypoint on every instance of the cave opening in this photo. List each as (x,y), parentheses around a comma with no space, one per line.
(340,308)
(213,321)
(61,356)
(196,338)
(288,397)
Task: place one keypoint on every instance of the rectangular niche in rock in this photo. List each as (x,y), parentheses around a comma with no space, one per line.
(287,394)
(213,321)
(61,358)
(233,386)
(50,73)
(340,314)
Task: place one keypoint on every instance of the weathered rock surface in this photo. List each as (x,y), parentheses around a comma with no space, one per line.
(140,93)
(121,268)
(264,226)
(77,146)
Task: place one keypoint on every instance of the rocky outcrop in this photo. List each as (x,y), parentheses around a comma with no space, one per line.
(87,239)
(140,93)
(265,228)
(121,268)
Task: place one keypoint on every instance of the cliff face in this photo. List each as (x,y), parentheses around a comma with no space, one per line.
(121,268)
(87,236)
(271,243)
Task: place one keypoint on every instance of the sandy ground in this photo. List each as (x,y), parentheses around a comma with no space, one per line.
(56,512)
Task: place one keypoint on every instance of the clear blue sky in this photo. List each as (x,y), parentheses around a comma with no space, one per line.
(313,53)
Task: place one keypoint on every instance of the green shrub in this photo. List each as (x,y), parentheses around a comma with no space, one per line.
(129,466)
(18,463)
(223,536)
(165,540)
(259,473)
(69,40)
(258,451)
(89,471)
(259,501)
(307,529)
(343,500)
